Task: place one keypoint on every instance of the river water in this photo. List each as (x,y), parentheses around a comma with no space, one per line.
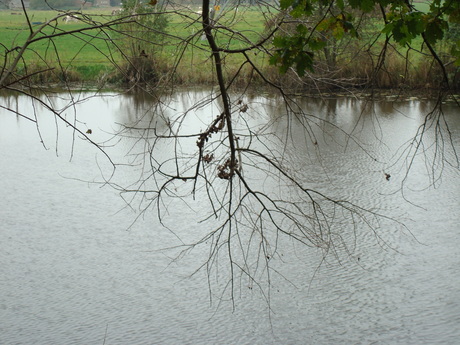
(74,269)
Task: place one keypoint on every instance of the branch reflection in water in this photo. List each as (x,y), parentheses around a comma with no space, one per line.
(99,274)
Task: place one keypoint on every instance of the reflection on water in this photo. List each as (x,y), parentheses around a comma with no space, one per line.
(70,271)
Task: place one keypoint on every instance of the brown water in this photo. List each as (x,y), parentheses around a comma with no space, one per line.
(71,272)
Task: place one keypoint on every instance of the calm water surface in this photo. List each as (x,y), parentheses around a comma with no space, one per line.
(72,273)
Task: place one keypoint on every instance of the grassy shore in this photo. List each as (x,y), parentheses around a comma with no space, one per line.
(92,57)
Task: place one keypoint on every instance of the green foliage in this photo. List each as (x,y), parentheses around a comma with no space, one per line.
(403,23)
(298,48)
(292,50)
(363,5)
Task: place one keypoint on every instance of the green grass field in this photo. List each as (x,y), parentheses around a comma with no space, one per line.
(88,53)
(78,52)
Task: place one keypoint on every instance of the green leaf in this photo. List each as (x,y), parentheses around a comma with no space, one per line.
(388,28)
(340,4)
(304,61)
(284,4)
(401,33)
(316,43)
(301,29)
(308,7)
(278,41)
(364,5)
(415,23)
(435,30)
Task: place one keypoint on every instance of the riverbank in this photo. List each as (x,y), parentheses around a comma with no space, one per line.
(167,75)
(183,59)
